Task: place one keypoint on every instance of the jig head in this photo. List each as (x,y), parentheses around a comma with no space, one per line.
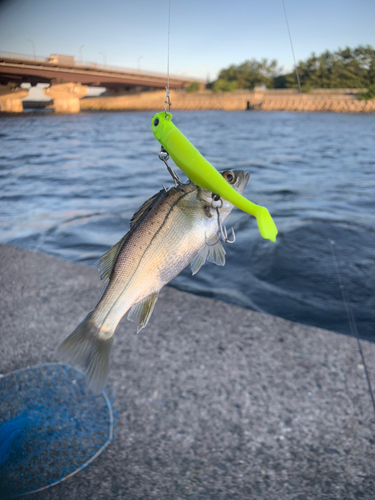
(203,174)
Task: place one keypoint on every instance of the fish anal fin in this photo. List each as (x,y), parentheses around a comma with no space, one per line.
(107,261)
(141,312)
(199,260)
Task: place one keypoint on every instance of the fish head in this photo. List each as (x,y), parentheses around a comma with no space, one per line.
(160,124)
(237,179)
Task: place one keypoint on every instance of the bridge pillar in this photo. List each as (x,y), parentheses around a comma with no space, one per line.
(11,99)
(66,96)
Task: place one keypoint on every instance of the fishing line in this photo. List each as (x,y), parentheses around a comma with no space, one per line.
(351,319)
(345,297)
(167,99)
(291,44)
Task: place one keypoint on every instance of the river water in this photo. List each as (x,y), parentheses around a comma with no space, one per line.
(70,184)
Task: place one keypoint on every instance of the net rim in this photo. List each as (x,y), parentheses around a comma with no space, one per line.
(101,449)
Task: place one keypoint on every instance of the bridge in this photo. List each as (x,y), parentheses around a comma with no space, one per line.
(69,80)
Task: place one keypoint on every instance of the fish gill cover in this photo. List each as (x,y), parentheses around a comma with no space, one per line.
(51,427)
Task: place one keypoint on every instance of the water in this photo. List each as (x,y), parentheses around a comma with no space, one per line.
(70,184)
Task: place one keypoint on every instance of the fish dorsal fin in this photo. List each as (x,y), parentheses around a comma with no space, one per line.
(141,312)
(211,253)
(107,261)
(143,209)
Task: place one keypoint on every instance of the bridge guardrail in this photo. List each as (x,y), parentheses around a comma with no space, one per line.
(88,65)
(16,55)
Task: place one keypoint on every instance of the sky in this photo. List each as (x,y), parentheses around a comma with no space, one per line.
(205,35)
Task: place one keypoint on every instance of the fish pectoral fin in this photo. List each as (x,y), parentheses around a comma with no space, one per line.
(199,260)
(142,311)
(107,261)
(210,253)
(216,254)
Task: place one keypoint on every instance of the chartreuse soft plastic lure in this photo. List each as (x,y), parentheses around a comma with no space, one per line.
(203,174)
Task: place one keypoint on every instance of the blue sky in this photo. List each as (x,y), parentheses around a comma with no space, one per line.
(206,35)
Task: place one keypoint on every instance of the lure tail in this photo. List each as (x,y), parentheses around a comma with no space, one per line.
(89,347)
(266,225)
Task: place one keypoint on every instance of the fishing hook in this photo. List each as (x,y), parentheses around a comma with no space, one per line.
(223,230)
(223,235)
(212,244)
(217,204)
(164,157)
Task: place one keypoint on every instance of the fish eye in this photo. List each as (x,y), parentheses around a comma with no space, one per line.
(229,177)
(215,197)
(156,122)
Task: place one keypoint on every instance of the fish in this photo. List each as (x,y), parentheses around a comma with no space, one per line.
(205,175)
(174,228)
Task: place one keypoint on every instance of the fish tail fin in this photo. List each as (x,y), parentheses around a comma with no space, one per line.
(89,348)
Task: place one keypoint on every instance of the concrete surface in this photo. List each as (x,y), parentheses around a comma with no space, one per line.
(66,96)
(11,99)
(215,401)
(333,100)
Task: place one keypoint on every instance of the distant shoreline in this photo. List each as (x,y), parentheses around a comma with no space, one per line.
(334,100)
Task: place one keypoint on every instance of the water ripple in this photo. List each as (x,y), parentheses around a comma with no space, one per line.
(70,184)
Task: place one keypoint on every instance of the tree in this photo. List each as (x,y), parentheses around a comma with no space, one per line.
(345,68)
(193,87)
(247,75)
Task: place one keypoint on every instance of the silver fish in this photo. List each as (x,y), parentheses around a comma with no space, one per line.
(170,230)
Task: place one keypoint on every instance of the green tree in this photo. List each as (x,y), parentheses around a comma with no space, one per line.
(345,68)
(370,94)
(224,85)
(193,87)
(247,75)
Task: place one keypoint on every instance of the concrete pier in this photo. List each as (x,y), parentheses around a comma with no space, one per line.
(66,96)
(11,99)
(336,100)
(214,401)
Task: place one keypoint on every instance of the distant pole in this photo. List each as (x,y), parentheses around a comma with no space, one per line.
(80,52)
(33,44)
(139,63)
(104,58)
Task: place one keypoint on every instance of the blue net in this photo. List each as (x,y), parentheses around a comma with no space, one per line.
(51,427)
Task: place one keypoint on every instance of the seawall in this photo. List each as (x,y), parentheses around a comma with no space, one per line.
(214,401)
(341,101)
